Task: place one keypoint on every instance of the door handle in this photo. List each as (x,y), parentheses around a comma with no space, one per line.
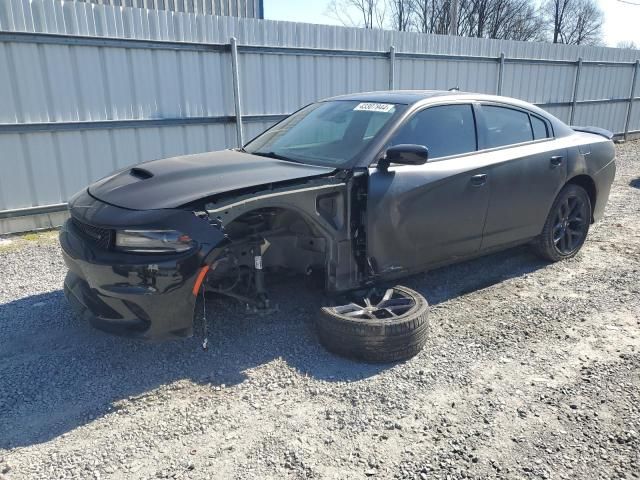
(479,180)
(556,160)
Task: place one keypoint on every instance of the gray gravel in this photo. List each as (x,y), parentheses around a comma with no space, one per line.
(531,371)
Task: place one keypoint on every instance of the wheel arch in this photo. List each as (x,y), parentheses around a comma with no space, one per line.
(586,182)
(304,208)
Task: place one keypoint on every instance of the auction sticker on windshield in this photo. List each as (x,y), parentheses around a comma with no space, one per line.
(374,107)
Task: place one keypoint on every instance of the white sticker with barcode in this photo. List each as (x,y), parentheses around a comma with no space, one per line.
(374,107)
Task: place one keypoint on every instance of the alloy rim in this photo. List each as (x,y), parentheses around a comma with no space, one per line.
(393,304)
(570,225)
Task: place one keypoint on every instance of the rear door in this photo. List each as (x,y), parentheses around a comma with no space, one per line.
(527,170)
(426,214)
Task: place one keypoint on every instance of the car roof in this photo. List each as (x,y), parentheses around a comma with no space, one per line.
(410,97)
(424,97)
(406,97)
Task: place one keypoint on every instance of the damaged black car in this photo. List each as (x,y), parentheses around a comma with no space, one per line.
(361,190)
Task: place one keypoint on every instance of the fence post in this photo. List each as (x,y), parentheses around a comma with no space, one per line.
(632,95)
(236,91)
(574,95)
(500,74)
(392,67)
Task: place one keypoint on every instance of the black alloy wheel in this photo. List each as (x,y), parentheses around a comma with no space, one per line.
(567,225)
(571,224)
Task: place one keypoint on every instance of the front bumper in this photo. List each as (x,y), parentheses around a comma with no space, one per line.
(142,295)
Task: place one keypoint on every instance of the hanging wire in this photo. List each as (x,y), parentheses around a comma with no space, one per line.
(205,333)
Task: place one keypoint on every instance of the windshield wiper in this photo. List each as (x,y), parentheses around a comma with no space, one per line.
(275,155)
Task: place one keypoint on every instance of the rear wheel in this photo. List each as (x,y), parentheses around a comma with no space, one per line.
(386,328)
(567,225)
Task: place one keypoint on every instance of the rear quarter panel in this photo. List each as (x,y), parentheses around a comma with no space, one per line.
(593,155)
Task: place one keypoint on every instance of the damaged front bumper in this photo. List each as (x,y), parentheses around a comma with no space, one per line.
(150,296)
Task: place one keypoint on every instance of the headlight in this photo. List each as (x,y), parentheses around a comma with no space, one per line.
(153,241)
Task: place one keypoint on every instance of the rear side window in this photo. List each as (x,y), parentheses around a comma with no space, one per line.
(506,126)
(539,127)
(445,130)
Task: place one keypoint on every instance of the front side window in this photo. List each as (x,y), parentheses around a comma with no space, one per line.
(506,126)
(445,130)
(325,133)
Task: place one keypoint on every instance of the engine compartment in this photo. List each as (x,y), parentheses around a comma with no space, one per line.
(265,241)
(297,229)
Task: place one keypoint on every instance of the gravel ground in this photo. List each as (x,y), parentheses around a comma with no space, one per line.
(531,371)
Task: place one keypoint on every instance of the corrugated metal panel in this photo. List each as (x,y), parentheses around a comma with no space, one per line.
(44,83)
(238,8)
(563,113)
(539,83)
(611,115)
(605,81)
(444,74)
(68,82)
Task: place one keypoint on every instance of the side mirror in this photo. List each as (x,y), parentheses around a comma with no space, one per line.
(404,154)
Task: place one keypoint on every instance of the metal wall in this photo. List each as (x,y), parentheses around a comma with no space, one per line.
(233,8)
(88,88)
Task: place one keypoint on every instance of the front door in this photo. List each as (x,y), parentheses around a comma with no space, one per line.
(427,214)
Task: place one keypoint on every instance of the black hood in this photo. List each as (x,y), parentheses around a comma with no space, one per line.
(172,182)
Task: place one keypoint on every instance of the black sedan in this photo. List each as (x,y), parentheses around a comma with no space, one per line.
(360,189)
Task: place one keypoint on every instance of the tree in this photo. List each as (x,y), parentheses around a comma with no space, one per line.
(431,16)
(577,22)
(512,20)
(358,13)
(502,19)
(628,44)
(574,22)
(401,14)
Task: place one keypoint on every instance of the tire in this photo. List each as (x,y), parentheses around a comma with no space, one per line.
(569,218)
(375,335)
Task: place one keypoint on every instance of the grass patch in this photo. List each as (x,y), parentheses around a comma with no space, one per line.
(13,242)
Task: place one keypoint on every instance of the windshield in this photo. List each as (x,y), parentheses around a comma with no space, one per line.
(325,133)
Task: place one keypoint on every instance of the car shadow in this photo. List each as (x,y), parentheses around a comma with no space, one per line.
(452,281)
(58,373)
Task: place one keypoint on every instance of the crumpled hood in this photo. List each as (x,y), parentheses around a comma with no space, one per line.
(172,182)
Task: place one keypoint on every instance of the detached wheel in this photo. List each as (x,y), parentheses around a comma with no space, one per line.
(385,329)
(567,225)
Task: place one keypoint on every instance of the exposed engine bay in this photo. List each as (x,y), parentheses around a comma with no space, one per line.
(265,240)
(296,229)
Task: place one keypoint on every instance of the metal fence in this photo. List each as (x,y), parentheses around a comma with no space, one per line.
(235,8)
(86,89)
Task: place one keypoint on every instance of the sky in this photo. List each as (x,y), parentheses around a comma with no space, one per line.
(622,20)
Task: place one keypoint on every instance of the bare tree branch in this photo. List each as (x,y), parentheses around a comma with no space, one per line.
(629,44)
(401,14)
(357,13)
(575,22)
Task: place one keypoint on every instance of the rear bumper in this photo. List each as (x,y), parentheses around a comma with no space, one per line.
(140,295)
